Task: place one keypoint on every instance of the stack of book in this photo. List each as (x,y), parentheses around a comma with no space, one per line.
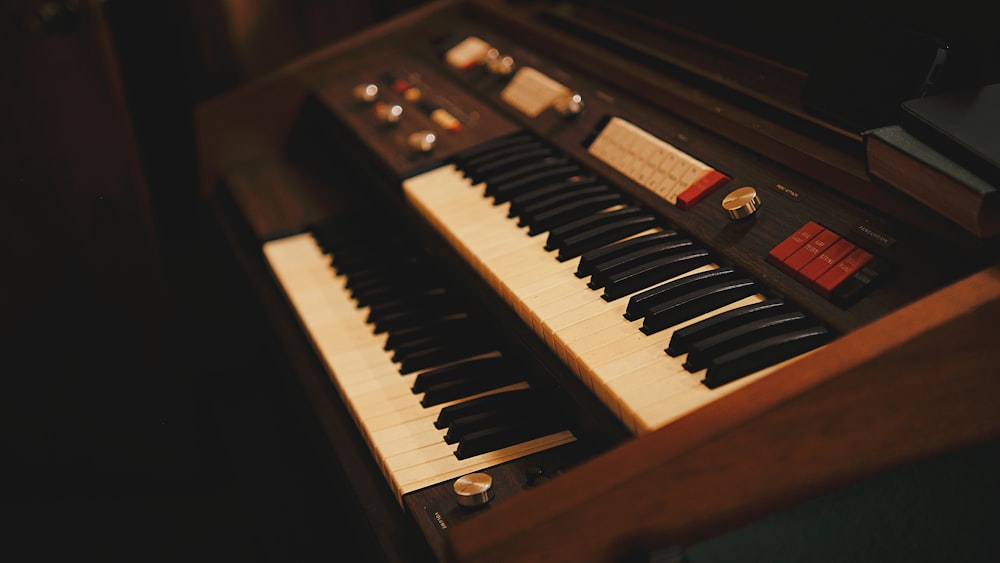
(945,153)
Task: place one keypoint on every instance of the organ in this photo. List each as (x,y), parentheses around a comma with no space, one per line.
(561,283)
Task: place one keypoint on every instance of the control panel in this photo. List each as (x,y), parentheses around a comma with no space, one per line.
(415,108)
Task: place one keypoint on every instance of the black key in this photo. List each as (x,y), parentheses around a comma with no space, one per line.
(463,379)
(483,367)
(590,258)
(511,189)
(630,281)
(418,313)
(429,341)
(487,168)
(573,210)
(361,282)
(700,302)
(462,157)
(408,339)
(559,234)
(601,235)
(515,397)
(484,418)
(759,355)
(475,167)
(523,170)
(390,308)
(640,303)
(334,237)
(528,213)
(681,340)
(457,322)
(498,437)
(520,201)
(701,351)
(368,258)
(387,267)
(443,353)
(477,422)
(377,296)
(603,271)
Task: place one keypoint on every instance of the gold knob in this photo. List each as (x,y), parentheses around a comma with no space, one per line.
(741,203)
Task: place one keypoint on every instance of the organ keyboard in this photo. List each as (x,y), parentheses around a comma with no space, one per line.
(626,367)
(404,354)
(547,200)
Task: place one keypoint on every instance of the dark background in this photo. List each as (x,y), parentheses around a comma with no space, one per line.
(146,415)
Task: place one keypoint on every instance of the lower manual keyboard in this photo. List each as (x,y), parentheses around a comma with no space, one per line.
(433,396)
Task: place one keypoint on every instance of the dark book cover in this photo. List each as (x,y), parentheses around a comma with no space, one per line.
(906,163)
(965,126)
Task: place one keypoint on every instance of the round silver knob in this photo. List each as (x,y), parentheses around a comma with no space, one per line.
(388,113)
(498,63)
(569,105)
(365,92)
(474,489)
(741,203)
(422,141)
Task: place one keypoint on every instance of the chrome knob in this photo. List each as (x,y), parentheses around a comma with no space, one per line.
(366,93)
(498,63)
(474,489)
(569,105)
(422,141)
(388,113)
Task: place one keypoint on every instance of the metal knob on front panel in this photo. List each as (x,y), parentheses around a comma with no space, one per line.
(741,203)
(388,113)
(569,105)
(366,93)
(474,489)
(422,141)
(497,63)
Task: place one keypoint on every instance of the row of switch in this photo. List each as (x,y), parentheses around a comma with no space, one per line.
(388,112)
(827,263)
(655,164)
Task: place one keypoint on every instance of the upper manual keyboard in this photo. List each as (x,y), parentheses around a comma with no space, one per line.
(645,315)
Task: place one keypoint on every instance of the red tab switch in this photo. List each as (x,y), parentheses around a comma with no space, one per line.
(809,251)
(700,188)
(844,269)
(826,260)
(776,257)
